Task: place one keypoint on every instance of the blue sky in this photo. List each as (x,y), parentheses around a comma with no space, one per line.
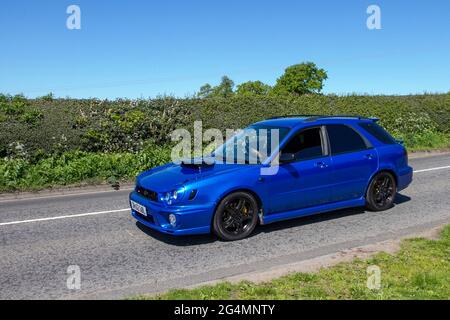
(144,48)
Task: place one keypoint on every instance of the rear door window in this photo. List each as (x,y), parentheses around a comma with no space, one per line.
(378,132)
(344,139)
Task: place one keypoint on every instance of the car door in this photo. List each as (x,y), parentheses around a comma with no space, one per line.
(354,161)
(305,180)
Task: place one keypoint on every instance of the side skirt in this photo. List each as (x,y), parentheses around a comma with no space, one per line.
(313,210)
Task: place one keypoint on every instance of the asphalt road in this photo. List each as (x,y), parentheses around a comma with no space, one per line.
(118,257)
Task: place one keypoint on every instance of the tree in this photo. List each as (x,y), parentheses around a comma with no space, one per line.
(49,97)
(253,88)
(224,89)
(205,91)
(301,79)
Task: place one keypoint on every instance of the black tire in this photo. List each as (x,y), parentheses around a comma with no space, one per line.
(381,192)
(236,216)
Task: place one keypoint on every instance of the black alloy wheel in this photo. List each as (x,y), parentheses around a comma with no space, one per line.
(236,216)
(381,193)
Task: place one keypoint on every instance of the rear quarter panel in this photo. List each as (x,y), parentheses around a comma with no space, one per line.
(392,157)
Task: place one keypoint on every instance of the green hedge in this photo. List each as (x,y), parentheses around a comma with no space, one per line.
(86,125)
(34,129)
(48,142)
(37,128)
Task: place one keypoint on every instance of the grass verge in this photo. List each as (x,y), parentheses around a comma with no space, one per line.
(78,167)
(427,141)
(420,270)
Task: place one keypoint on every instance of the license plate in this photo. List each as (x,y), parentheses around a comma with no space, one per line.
(138,208)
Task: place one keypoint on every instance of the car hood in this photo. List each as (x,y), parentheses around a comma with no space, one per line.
(172,176)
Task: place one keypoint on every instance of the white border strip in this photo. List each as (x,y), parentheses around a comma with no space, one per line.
(129,189)
(127,209)
(38,197)
(64,217)
(432,169)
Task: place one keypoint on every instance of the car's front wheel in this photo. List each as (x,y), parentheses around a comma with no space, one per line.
(381,192)
(236,216)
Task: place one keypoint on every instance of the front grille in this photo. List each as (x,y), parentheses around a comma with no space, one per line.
(149,194)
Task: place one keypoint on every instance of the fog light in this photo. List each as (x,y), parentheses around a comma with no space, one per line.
(172,220)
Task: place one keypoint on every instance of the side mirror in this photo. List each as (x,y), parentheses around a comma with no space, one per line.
(287,157)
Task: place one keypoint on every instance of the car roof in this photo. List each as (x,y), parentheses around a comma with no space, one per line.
(294,121)
(282,122)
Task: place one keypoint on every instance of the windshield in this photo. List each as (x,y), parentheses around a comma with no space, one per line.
(252,145)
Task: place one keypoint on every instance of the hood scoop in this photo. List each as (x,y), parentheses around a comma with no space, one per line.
(197,163)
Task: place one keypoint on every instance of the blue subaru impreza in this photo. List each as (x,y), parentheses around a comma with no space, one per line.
(320,164)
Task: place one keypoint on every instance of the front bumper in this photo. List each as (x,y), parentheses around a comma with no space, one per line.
(192,219)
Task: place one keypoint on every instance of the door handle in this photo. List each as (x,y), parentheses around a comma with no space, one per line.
(321,165)
(369,156)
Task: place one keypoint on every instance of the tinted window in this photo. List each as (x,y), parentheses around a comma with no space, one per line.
(305,145)
(378,132)
(344,139)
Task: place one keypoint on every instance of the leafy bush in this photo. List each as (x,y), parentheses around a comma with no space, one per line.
(48,97)
(78,166)
(61,125)
(92,125)
(61,141)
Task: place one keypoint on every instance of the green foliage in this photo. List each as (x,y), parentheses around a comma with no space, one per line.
(31,117)
(94,140)
(253,88)
(34,130)
(48,97)
(4,98)
(224,89)
(18,109)
(299,79)
(19,98)
(205,91)
(92,125)
(420,270)
(13,108)
(126,125)
(77,166)
(427,140)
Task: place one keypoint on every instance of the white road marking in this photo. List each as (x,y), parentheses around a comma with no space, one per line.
(128,209)
(130,189)
(64,217)
(431,169)
(65,195)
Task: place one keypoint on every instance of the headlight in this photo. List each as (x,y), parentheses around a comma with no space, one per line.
(172,196)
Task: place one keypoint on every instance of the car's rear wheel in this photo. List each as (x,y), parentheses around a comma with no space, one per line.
(236,216)
(381,192)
